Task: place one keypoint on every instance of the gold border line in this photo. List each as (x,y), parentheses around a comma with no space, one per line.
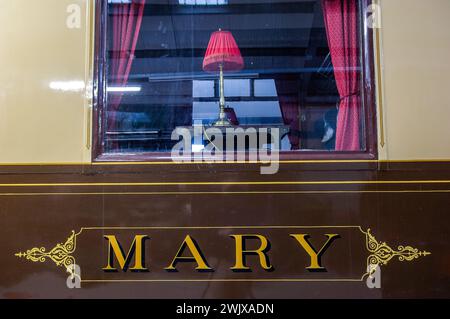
(221,280)
(212,227)
(228,193)
(356,182)
(216,280)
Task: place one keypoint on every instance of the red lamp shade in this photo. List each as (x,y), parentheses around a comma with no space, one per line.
(222,50)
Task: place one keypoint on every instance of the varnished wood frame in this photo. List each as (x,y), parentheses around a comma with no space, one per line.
(368,96)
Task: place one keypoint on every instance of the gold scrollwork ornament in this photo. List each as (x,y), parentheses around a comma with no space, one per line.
(61,254)
(382,253)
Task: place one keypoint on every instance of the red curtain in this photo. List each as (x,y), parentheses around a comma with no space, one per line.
(341,23)
(126,25)
(290,110)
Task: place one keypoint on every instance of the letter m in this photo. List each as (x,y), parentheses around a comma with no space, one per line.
(136,249)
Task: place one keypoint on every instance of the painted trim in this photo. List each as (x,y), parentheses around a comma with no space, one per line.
(129,163)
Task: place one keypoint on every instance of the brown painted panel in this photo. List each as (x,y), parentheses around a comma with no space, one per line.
(402,204)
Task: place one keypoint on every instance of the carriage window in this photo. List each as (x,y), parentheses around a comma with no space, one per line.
(292,67)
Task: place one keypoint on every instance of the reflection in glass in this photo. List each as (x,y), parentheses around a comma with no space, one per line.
(291,78)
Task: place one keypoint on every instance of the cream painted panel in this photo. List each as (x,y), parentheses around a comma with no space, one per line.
(416,73)
(37,123)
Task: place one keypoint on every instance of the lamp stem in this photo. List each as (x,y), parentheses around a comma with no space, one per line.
(222,121)
(222,92)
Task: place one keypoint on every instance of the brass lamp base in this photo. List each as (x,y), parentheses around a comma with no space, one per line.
(222,122)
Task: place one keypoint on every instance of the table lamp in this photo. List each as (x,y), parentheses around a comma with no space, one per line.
(222,55)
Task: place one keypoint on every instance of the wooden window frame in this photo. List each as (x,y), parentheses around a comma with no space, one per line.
(368,99)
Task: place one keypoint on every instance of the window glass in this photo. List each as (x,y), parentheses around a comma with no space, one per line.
(265,88)
(288,65)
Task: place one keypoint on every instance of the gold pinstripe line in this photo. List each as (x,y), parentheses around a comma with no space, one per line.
(229,183)
(227,193)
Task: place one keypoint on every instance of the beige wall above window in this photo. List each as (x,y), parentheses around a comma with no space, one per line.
(43,79)
(46,68)
(416,68)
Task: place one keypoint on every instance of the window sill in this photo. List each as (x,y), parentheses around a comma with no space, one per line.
(300,156)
